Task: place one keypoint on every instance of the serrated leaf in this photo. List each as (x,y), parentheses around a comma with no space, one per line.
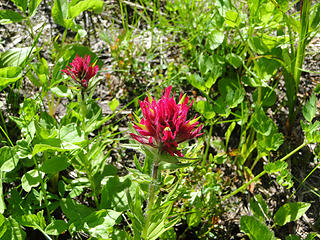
(276,166)
(290,212)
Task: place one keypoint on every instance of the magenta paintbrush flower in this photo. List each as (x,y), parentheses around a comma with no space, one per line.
(164,124)
(81,70)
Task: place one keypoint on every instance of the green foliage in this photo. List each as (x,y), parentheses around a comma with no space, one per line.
(290,212)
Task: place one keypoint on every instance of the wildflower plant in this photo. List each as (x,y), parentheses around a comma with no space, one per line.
(163,126)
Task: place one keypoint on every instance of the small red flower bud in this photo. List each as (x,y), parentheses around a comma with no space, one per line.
(81,70)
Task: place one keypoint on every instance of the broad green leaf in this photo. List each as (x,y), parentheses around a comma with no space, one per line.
(259,207)
(9,75)
(78,6)
(31,179)
(14,231)
(54,145)
(255,229)
(113,104)
(14,57)
(32,7)
(231,91)
(56,227)
(290,212)
(60,12)
(32,220)
(234,60)
(310,108)
(205,108)
(99,224)
(55,164)
(113,194)
(62,91)
(261,122)
(197,81)
(194,218)
(9,16)
(276,166)
(215,39)
(73,210)
(9,159)
(315,19)
(71,133)
(232,19)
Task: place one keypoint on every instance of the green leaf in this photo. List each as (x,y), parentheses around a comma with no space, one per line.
(71,133)
(194,218)
(31,179)
(9,16)
(290,212)
(62,91)
(9,159)
(293,237)
(232,19)
(3,225)
(312,235)
(228,132)
(32,220)
(268,97)
(261,123)
(55,164)
(60,12)
(197,81)
(54,145)
(14,231)
(21,4)
(56,227)
(234,60)
(215,39)
(32,7)
(259,207)
(255,229)
(78,6)
(205,108)
(113,104)
(14,57)
(73,210)
(9,75)
(99,224)
(113,195)
(276,166)
(310,108)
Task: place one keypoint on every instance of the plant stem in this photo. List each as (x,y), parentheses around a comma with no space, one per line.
(151,198)
(208,146)
(244,186)
(44,192)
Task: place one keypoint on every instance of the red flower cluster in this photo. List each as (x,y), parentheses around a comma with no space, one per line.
(81,70)
(164,124)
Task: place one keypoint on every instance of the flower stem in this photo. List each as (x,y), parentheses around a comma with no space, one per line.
(151,199)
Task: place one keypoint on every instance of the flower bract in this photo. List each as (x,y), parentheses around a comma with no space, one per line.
(81,70)
(164,124)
